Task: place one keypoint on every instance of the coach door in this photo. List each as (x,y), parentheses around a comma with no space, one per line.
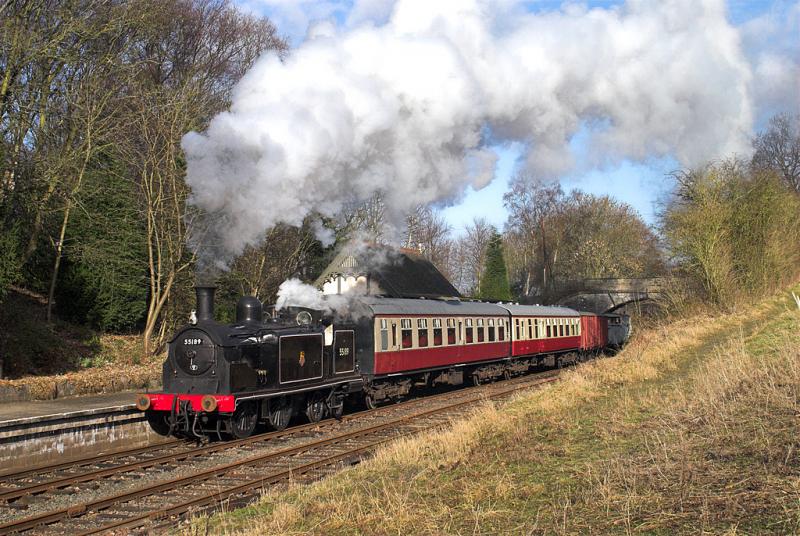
(344,351)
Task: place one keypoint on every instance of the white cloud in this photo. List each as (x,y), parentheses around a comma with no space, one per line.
(405,108)
(772,45)
(370,11)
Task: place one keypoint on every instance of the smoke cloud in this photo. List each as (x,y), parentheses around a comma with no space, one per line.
(295,293)
(410,109)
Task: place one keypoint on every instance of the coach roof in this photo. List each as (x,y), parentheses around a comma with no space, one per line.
(403,306)
(538,310)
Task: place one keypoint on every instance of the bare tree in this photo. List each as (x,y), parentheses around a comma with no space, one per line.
(285,252)
(471,252)
(429,233)
(192,52)
(49,48)
(561,237)
(366,221)
(534,210)
(90,100)
(778,148)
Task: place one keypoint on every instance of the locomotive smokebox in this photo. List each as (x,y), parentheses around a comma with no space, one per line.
(205,301)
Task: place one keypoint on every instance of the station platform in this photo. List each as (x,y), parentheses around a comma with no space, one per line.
(43,432)
(28,412)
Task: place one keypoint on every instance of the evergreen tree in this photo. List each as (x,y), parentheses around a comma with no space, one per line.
(494,280)
(103,281)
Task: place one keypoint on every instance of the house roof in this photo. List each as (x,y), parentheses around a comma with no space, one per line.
(398,273)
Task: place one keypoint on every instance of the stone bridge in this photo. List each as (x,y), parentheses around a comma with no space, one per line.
(612,294)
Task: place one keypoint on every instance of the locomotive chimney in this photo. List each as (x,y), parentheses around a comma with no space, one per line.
(205,301)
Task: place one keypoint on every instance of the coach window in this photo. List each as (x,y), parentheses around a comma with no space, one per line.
(490,322)
(537,328)
(516,328)
(437,331)
(468,331)
(405,332)
(422,332)
(481,334)
(451,331)
(501,330)
(561,328)
(384,334)
(549,329)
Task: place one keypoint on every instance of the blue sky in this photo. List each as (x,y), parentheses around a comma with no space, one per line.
(642,185)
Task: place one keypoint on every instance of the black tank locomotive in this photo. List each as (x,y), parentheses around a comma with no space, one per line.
(223,379)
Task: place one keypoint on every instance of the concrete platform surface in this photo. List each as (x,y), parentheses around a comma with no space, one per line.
(17,413)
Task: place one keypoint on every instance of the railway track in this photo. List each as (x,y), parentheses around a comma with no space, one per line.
(95,496)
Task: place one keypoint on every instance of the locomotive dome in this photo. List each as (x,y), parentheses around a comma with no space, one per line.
(249,309)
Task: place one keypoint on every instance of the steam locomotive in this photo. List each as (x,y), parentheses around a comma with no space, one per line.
(225,380)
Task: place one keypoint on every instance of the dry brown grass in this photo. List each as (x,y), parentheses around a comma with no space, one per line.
(45,361)
(115,363)
(693,428)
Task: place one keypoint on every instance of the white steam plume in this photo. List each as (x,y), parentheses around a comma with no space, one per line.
(295,293)
(410,108)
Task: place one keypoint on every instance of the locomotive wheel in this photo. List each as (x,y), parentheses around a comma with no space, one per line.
(280,413)
(315,407)
(506,374)
(158,421)
(244,420)
(370,402)
(476,380)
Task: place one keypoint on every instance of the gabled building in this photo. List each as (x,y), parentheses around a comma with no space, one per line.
(379,270)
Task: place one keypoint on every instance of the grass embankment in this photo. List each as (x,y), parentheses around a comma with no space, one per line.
(45,361)
(692,428)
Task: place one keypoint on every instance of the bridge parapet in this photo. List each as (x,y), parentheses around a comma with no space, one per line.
(610,294)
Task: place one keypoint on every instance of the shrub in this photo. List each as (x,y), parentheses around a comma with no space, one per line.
(733,232)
